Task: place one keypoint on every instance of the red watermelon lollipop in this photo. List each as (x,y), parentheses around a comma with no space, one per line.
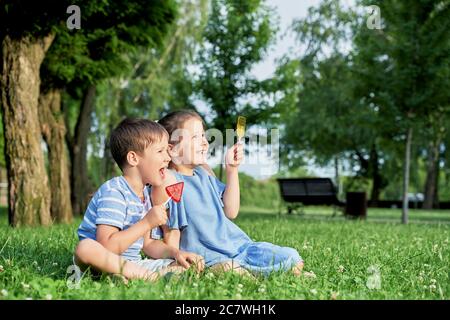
(175,191)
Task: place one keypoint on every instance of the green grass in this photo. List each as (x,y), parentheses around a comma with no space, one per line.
(413,261)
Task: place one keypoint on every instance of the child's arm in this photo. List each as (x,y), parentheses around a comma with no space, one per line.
(231,196)
(172,236)
(159,195)
(157,249)
(170,247)
(119,241)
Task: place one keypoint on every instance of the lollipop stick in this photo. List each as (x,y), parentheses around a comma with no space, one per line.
(167,201)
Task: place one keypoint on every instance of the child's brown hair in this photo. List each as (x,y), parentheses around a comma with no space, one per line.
(133,135)
(176,119)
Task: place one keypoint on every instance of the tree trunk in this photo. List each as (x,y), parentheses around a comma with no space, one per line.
(80,181)
(28,190)
(108,160)
(119,112)
(54,130)
(431,199)
(436,193)
(337,177)
(406,176)
(376,177)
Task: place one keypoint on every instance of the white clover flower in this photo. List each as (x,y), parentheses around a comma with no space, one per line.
(28,298)
(25,285)
(55,264)
(310,274)
(433,281)
(341,268)
(1,268)
(240,285)
(48,296)
(432,287)
(313,291)
(35,263)
(262,290)
(4,292)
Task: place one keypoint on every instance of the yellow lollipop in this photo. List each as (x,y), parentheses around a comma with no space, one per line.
(240,128)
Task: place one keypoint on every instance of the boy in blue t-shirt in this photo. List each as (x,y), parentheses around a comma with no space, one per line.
(119,218)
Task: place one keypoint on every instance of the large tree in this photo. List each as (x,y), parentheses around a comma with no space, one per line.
(375,95)
(412,50)
(26,33)
(159,81)
(332,121)
(236,38)
(75,61)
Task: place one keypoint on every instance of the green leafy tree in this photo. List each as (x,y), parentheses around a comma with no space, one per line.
(332,121)
(236,37)
(75,61)
(411,54)
(159,81)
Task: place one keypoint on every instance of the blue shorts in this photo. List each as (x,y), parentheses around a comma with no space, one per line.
(265,257)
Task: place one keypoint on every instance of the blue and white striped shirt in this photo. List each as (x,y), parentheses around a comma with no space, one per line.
(115,204)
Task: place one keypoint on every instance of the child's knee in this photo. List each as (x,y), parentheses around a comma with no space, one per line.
(85,250)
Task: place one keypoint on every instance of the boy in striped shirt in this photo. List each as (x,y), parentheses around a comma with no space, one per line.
(119,218)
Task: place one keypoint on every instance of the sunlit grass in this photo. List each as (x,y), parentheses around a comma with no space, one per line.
(413,261)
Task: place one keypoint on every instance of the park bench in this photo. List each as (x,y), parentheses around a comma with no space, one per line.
(308,191)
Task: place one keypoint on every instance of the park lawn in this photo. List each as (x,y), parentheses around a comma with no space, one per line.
(413,261)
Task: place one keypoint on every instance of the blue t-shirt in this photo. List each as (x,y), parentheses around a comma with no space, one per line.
(199,215)
(115,204)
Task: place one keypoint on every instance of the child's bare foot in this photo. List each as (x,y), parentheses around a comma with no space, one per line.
(297,270)
(233,267)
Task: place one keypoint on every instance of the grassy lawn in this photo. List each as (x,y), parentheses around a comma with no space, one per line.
(413,261)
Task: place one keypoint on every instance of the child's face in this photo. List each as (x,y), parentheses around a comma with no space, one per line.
(153,162)
(192,148)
